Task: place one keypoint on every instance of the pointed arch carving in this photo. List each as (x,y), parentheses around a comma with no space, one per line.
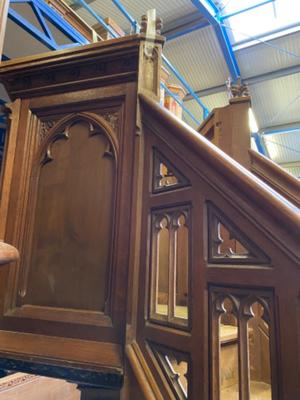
(60,130)
(70,231)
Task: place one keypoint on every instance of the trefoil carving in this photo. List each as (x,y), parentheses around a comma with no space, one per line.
(227,244)
(165,175)
(175,366)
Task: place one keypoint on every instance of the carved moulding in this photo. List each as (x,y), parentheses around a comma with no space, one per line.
(15,380)
(84,73)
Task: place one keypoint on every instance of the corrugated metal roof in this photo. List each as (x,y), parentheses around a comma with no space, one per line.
(276,101)
(103,8)
(262,58)
(167,10)
(283,147)
(198,57)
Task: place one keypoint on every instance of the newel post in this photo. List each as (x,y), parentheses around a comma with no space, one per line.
(228,127)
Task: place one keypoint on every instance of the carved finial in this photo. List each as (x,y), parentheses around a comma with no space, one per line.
(144,24)
(237,89)
(159,25)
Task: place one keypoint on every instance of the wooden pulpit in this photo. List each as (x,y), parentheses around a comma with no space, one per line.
(66,203)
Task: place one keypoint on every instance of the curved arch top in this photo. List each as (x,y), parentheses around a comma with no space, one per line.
(60,130)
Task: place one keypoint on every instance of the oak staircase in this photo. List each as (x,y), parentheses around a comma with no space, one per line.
(152,264)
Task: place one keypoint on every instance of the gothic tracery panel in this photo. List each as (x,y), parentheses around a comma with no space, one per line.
(72,193)
(243,344)
(170,265)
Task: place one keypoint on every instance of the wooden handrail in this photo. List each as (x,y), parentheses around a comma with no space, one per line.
(234,215)
(142,373)
(8,253)
(280,180)
(272,203)
(228,128)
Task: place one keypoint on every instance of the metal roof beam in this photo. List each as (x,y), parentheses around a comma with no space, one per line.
(261,147)
(184,25)
(98,18)
(210,11)
(32,30)
(44,35)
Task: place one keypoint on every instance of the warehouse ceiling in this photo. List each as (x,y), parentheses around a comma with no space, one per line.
(265,42)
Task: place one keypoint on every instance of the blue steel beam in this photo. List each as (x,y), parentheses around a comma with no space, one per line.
(31,29)
(44,12)
(185,31)
(281,131)
(97,17)
(261,147)
(60,22)
(167,62)
(210,11)
(42,21)
(186,85)
(126,14)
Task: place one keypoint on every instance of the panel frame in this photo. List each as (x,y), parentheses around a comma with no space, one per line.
(78,324)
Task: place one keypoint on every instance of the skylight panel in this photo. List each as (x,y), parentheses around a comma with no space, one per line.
(261,20)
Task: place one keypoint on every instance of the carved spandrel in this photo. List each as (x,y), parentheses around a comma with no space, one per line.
(45,127)
(175,365)
(228,245)
(165,175)
(112,118)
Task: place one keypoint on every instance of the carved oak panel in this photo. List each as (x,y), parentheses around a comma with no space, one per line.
(73,196)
